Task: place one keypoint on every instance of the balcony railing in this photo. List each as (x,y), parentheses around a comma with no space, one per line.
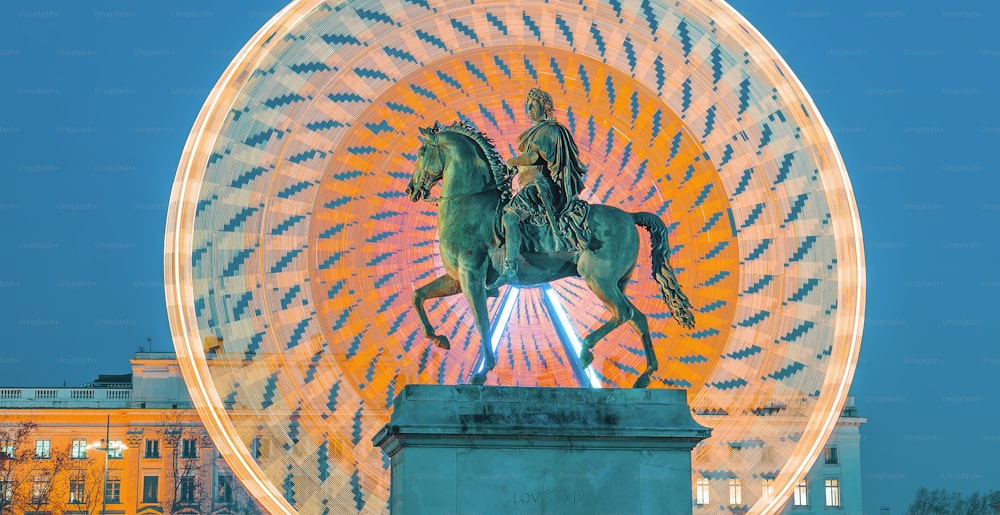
(65,397)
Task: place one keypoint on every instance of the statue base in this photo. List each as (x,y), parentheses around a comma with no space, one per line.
(488,450)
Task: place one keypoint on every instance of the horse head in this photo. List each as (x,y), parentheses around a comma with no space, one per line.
(429,168)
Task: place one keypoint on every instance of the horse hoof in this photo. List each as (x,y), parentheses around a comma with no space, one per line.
(441,341)
(586,358)
(479,378)
(642,381)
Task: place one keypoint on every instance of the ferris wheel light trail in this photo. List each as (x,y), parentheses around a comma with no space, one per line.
(567,329)
(506,308)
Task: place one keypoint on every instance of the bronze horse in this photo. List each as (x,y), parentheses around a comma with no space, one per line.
(472,175)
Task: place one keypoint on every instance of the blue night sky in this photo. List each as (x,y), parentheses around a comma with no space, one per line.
(97,98)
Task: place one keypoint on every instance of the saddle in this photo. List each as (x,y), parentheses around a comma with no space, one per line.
(572,233)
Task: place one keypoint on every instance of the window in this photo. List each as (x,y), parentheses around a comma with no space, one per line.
(224,493)
(42,449)
(830,455)
(189,448)
(800,497)
(832,487)
(701,491)
(767,487)
(6,449)
(39,488)
(77,490)
(115,449)
(78,451)
(113,490)
(735,491)
(6,490)
(150,488)
(187,490)
(152,448)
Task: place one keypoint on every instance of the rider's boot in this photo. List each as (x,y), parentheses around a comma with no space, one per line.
(507,276)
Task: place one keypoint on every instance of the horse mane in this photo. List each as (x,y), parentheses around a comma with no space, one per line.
(496,162)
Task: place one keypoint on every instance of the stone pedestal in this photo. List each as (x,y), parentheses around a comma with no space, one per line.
(504,450)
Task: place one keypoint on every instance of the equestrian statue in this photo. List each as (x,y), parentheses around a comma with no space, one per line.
(490,237)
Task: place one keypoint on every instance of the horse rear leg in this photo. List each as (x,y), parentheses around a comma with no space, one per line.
(641,326)
(443,286)
(622,310)
(615,302)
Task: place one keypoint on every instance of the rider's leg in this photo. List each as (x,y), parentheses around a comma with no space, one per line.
(512,238)
(544,190)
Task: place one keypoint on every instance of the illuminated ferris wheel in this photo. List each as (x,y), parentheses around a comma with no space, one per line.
(292,252)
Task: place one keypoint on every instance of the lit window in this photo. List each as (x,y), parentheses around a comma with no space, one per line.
(800,497)
(735,492)
(767,487)
(40,488)
(77,490)
(113,490)
(830,456)
(701,491)
(42,449)
(115,449)
(150,488)
(78,450)
(189,448)
(187,489)
(832,486)
(152,448)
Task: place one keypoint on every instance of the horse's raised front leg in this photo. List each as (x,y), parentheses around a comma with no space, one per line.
(473,280)
(443,286)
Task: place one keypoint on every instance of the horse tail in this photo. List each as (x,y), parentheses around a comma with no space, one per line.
(670,288)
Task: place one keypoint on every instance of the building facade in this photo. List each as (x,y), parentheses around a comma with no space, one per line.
(832,486)
(127,444)
(138,435)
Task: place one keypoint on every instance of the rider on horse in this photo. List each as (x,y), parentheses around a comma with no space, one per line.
(550,177)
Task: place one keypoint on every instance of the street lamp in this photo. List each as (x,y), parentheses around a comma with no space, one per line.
(106,446)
